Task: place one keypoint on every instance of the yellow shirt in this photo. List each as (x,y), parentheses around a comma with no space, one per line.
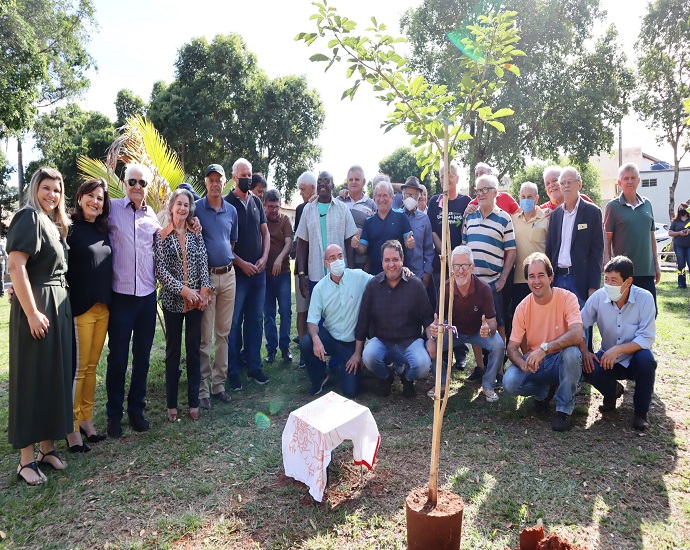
(530,236)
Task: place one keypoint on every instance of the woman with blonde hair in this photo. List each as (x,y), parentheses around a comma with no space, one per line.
(40,400)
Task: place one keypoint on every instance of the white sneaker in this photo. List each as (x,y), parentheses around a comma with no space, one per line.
(490,395)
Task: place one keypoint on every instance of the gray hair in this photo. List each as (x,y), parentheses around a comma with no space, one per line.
(578,177)
(356,168)
(453,168)
(145,171)
(493,180)
(241,161)
(173,197)
(531,186)
(552,168)
(463,250)
(486,166)
(272,195)
(629,167)
(387,185)
(379,178)
(307,177)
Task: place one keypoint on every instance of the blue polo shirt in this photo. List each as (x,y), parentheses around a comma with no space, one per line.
(219,230)
(377,231)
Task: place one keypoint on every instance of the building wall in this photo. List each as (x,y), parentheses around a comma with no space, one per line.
(657,191)
(607,164)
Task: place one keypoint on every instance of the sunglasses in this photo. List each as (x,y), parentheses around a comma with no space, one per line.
(132,182)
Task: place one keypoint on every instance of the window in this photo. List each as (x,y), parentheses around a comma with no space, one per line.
(649,183)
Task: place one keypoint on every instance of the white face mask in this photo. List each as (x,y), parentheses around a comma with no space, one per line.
(614,292)
(337,267)
(410,203)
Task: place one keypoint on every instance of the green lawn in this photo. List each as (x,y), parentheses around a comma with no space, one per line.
(218,483)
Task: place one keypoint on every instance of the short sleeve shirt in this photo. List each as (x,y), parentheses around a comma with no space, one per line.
(468,310)
(377,231)
(279,230)
(489,238)
(679,225)
(632,229)
(250,216)
(456,211)
(530,237)
(219,230)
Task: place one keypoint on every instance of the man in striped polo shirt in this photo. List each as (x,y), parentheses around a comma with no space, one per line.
(489,233)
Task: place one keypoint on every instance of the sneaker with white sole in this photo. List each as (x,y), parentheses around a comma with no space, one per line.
(490,395)
(316,389)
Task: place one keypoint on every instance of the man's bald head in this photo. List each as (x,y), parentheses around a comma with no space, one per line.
(332,250)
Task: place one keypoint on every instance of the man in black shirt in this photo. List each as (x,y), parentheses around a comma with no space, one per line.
(394,311)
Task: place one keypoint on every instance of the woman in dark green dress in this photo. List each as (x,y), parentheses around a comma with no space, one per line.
(40,327)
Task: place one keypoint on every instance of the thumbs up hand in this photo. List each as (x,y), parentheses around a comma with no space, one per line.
(433,327)
(484,329)
(409,241)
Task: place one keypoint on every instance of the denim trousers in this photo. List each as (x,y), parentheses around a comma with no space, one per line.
(642,369)
(568,283)
(131,318)
(563,368)
(349,383)
(496,349)
(377,355)
(173,351)
(250,293)
(278,290)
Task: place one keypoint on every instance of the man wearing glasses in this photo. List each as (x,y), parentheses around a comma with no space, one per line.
(133,309)
(577,267)
(489,233)
(474,318)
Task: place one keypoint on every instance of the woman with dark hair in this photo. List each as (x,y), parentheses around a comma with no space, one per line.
(680,231)
(40,397)
(90,278)
(182,268)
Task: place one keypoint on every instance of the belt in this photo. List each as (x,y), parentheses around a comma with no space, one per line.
(220,270)
(563,270)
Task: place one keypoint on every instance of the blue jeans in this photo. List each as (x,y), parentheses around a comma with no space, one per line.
(496,349)
(278,289)
(642,369)
(377,355)
(250,293)
(349,383)
(173,352)
(682,257)
(131,318)
(563,368)
(568,283)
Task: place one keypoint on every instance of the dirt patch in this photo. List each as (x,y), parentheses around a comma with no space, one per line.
(533,538)
(448,504)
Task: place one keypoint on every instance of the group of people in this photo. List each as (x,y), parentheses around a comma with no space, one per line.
(367,278)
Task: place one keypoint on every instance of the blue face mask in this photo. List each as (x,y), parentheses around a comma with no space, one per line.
(527,205)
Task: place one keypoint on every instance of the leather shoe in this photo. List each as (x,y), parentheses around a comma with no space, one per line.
(222,396)
(287,356)
(561,422)
(609,403)
(640,421)
(271,357)
(139,423)
(385,385)
(205,403)
(114,427)
(93,438)
(194,414)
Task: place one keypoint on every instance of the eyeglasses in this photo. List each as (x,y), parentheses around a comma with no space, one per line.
(271,207)
(461,267)
(132,182)
(323,181)
(483,190)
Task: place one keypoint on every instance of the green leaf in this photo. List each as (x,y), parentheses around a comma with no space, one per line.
(503,112)
(319,57)
(498,125)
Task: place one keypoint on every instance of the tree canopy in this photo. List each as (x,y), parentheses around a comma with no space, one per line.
(221,106)
(8,194)
(569,97)
(127,105)
(401,164)
(534,172)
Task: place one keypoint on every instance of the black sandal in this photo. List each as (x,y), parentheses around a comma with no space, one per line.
(32,466)
(41,459)
(93,438)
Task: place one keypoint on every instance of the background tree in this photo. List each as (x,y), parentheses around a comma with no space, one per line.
(64,134)
(8,194)
(534,172)
(44,60)
(221,106)
(569,97)
(663,49)
(127,105)
(402,163)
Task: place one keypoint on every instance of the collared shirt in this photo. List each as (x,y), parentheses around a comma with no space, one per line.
(219,230)
(279,230)
(551,206)
(131,238)
(634,322)
(567,235)
(420,259)
(530,236)
(394,315)
(456,211)
(250,217)
(338,304)
(631,228)
(361,209)
(468,310)
(378,230)
(489,238)
(339,226)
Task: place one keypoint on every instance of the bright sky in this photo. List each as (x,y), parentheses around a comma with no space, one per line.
(138,41)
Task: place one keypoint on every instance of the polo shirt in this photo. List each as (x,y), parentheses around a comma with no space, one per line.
(468,310)
(378,230)
(420,259)
(545,323)
(250,216)
(361,210)
(338,304)
(394,315)
(530,237)
(489,238)
(278,230)
(504,201)
(219,230)
(456,211)
(339,227)
(632,229)
(634,322)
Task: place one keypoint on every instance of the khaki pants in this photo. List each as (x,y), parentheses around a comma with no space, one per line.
(90,329)
(218,316)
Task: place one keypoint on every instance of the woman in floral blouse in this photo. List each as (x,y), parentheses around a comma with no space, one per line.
(182,268)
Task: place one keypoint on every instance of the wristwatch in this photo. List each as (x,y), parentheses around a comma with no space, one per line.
(545,347)
(301,273)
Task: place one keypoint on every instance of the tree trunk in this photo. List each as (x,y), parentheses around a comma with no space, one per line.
(672,189)
(20,172)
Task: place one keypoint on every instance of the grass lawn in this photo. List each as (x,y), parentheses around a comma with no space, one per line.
(218,483)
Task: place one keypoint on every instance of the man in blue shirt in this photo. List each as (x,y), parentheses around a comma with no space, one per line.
(624,314)
(335,300)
